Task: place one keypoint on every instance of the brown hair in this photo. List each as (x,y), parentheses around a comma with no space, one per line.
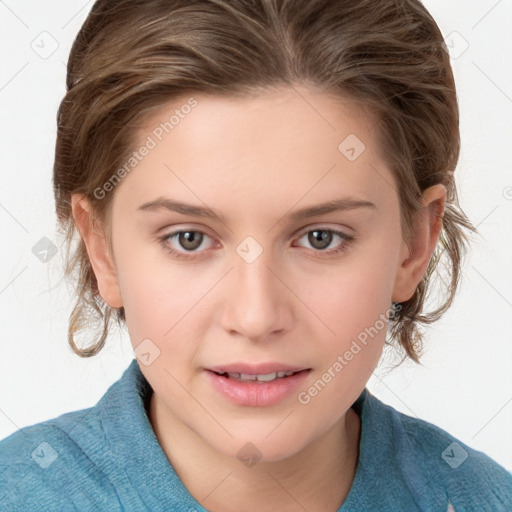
(131,57)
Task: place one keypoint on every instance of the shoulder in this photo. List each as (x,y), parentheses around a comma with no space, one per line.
(469,478)
(44,464)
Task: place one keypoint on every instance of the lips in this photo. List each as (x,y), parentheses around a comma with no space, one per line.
(243,390)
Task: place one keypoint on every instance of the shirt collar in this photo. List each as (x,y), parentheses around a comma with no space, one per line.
(133,442)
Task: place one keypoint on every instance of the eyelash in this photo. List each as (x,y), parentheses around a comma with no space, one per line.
(347,239)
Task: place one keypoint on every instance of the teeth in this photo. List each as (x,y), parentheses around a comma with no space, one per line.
(268,377)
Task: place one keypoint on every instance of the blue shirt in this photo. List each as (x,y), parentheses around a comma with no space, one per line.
(108,458)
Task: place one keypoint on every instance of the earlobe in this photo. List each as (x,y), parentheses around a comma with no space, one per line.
(414,259)
(97,249)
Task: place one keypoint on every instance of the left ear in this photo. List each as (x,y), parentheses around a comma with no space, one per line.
(414,260)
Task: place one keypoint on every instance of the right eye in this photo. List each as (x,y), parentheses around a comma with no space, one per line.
(189,239)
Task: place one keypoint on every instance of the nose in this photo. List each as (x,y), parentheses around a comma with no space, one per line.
(258,303)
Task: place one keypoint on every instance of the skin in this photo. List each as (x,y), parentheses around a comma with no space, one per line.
(255,161)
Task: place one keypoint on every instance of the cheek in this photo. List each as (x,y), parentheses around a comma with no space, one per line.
(165,303)
(353,305)
(351,296)
(155,309)
(152,296)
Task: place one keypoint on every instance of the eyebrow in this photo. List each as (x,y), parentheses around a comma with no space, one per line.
(341,204)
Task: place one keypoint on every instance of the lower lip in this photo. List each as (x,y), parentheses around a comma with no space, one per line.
(255,393)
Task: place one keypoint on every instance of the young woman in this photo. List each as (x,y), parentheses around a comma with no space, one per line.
(263,190)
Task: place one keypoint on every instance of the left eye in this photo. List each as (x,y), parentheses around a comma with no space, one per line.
(323,237)
(191,240)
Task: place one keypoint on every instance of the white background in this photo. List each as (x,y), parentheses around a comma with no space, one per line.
(464,383)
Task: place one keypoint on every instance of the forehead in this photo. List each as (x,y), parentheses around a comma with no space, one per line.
(274,148)
(303,112)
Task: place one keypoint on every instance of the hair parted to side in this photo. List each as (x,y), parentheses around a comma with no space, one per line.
(131,57)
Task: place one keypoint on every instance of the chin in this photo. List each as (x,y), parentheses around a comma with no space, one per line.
(257,449)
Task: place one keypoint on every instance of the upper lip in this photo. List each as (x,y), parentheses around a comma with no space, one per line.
(256,369)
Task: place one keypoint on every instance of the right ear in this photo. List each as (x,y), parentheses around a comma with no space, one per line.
(97,249)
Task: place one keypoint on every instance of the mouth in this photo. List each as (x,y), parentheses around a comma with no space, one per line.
(257,385)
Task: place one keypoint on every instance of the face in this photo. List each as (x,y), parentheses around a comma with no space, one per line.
(259,283)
